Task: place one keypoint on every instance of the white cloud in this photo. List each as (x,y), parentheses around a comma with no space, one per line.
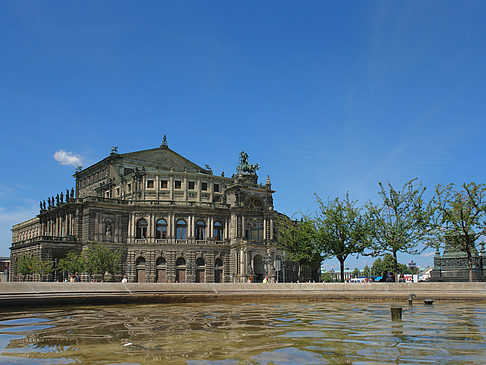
(428,254)
(68,158)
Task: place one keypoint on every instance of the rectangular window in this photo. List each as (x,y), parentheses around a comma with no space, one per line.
(163,184)
(204,186)
(117,191)
(177,184)
(129,187)
(191,185)
(150,184)
(216,188)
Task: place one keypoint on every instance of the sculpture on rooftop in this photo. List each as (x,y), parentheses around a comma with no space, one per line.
(245,165)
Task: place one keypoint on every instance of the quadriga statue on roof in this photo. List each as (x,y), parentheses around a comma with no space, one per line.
(245,166)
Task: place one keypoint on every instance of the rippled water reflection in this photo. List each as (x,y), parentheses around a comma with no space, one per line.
(288,333)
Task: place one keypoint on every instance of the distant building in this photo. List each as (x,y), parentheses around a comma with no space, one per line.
(4,268)
(173,220)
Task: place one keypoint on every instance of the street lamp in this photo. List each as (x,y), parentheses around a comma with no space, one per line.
(278,266)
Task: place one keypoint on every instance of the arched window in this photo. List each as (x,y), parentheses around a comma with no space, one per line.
(180,270)
(181,229)
(200,262)
(161,270)
(254,230)
(200,230)
(218,263)
(141,228)
(140,270)
(218,270)
(218,231)
(161,229)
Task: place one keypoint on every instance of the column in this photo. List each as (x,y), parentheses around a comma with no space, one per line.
(242,262)
(271,228)
(242,226)
(264,229)
(211,227)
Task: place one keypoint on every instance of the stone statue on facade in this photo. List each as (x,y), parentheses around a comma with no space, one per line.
(49,202)
(67,195)
(245,165)
(114,149)
(57,199)
(40,206)
(108,228)
(61,197)
(44,205)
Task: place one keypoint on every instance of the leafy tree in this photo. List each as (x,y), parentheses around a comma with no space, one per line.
(461,217)
(388,264)
(342,229)
(42,267)
(99,260)
(30,265)
(298,240)
(326,277)
(24,265)
(356,273)
(366,271)
(401,221)
(72,263)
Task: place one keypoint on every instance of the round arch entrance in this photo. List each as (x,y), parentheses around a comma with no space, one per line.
(140,270)
(258,269)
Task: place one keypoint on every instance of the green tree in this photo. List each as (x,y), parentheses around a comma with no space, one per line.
(356,273)
(298,240)
(326,277)
(42,267)
(388,264)
(72,263)
(366,271)
(100,259)
(24,265)
(401,221)
(460,217)
(342,229)
(30,265)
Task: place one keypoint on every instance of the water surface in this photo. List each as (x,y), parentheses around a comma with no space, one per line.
(279,333)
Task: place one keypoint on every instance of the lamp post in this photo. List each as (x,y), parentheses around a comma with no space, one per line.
(278,266)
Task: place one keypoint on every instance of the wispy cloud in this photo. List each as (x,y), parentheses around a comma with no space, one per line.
(68,158)
(428,254)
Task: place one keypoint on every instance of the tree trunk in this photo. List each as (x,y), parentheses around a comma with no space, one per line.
(395,266)
(341,265)
(299,273)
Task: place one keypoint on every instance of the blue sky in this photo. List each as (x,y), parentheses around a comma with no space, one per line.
(327,97)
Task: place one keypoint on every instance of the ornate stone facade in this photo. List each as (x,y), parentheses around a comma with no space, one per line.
(452,265)
(173,220)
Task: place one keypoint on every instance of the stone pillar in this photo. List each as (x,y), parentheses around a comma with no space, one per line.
(271,228)
(242,262)
(211,227)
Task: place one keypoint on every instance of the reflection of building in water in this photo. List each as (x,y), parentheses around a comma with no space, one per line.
(174,220)
(453,265)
